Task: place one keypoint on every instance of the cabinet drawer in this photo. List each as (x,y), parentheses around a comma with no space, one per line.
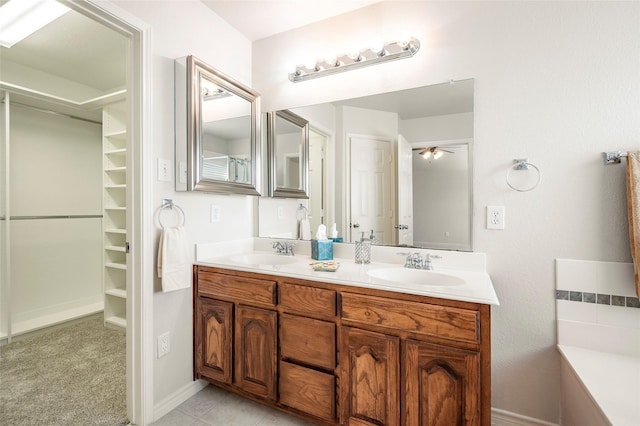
(422,318)
(307,390)
(237,288)
(308,341)
(308,300)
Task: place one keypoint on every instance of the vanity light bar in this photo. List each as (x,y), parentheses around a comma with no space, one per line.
(366,57)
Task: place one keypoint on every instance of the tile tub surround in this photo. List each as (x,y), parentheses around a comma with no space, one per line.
(598,324)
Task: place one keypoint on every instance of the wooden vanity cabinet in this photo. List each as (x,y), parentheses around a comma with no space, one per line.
(236,343)
(343,355)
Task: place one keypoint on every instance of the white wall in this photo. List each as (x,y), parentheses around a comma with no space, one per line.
(556,82)
(56,170)
(181,28)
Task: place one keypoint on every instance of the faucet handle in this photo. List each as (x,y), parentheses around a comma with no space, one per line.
(408,263)
(427,261)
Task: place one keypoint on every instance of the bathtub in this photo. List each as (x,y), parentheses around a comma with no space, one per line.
(599,388)
(598,324)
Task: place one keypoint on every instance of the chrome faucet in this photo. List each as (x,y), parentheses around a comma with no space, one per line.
(283,248)
(416,261)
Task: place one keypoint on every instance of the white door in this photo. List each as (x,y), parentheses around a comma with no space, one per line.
(372,188)
(404,223)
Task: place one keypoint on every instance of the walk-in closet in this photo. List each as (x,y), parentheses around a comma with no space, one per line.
(63,181)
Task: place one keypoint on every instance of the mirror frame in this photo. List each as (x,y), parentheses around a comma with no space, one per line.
(285,192)
(189,72)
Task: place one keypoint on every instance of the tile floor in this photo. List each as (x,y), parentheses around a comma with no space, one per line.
(218,407)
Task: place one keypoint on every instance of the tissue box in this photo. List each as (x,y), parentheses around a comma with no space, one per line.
(321,250)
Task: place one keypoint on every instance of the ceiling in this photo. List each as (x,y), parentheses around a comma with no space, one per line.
(79,49)
(75,48)
(259,19)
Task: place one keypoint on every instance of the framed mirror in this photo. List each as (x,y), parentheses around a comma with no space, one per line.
(288,148)
(412,199)
(217,131)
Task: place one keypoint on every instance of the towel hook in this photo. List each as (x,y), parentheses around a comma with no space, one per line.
(523,164)
(169,204)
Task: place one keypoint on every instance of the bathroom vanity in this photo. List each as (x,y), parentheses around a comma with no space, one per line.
(337,351)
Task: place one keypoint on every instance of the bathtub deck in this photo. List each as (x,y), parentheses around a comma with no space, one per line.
(612,381)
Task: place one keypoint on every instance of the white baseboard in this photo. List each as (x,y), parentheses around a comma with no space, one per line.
(172,401)
(507,418)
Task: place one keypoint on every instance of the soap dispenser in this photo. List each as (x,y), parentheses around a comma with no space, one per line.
(363,250)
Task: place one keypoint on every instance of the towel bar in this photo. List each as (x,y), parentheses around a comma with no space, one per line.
(613,157)
(168,204)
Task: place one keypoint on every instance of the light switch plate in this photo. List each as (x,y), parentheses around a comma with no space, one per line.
(216,212)
(164,170)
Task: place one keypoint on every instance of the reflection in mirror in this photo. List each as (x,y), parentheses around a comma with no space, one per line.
(217,131)
(374,175)
(288,146)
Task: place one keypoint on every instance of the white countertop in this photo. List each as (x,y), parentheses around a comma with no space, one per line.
(477,286)
(612,380)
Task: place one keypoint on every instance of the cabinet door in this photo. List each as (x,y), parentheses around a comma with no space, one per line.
(213,339)
(255,357)
(442,385)
(369,383)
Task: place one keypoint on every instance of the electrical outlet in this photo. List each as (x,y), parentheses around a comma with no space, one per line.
(495,217)
(164,344)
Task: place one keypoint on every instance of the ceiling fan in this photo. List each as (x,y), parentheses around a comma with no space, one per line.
(431,152)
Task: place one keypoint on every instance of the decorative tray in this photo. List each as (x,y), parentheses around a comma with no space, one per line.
(325,266)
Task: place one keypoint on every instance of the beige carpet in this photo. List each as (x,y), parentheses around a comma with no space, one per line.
(70,376)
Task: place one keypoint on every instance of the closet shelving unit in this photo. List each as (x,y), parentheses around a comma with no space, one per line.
(114,140)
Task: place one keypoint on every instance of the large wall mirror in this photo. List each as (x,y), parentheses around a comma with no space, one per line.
(217,131)
(398,164)
(288,148)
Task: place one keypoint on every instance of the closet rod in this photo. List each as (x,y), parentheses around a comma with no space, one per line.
(48,111)
(77,216)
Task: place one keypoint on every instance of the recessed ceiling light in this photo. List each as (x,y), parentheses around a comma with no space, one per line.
(21,18)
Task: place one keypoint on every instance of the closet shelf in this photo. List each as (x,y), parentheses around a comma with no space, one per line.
(117,321)
(116,231)
(114,205)
(116,134)
(117,292)
(116,265)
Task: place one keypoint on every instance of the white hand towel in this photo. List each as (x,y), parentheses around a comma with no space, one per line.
(174,265)
(305,229)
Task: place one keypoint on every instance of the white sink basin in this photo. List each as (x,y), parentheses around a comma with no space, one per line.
(415,277)
(265,259)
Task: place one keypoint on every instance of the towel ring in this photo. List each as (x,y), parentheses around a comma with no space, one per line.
(168,204)
(523,164)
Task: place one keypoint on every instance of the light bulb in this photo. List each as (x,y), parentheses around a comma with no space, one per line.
(437,154)
(426,155)
(377,46)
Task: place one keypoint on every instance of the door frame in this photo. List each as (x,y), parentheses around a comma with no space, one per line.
(139,356)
